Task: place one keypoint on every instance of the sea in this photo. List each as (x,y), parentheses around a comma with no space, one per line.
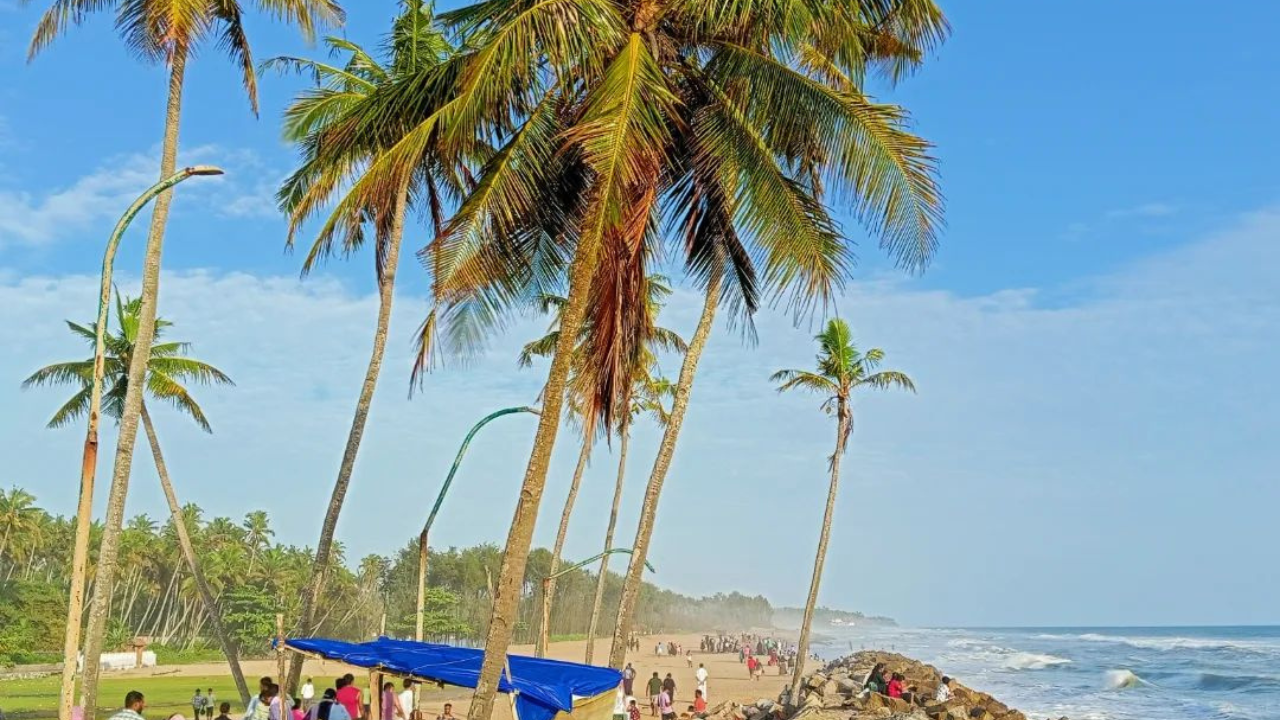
(1104,673)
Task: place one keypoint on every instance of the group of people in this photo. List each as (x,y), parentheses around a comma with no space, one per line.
(343,701)
(895,686)
(757,653)
(662,695)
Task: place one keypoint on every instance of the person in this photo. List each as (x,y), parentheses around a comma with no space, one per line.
(895,686)
(197,704)
(688,658)
(875,682)
(308,694)
(297,713)
(758,672)
(699,704)
(702,676)
(328,708)
(134,704)
(944,690)
(655,689)
(390,702)
(408,703)
(275,704)
(224,711)
(210,702)
(664,705)
(447,714)
(633,710)
(669,684)
(349,696)
(628,679)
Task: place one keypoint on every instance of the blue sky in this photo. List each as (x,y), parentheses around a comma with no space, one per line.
(1093,345)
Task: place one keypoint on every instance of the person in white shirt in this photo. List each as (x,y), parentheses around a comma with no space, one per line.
(308,694)
(944,690)
(407,702)
(702,676)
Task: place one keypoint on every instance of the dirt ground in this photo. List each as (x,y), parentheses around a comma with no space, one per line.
(728,679)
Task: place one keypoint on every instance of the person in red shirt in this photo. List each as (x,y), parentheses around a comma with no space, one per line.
(633,710)
(895,686)
(699,704)
(349,696)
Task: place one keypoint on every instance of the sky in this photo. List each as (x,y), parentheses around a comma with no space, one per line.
(1090,444)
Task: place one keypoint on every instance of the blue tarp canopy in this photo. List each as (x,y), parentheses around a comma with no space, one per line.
(543,687)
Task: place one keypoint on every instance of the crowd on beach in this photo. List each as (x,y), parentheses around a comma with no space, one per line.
(343,701)
(754,651)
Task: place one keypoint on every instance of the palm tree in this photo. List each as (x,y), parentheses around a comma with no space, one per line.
(18,515)
(166,31)
(650,395)
(258,534)
(841,370)
(342,93)
(654,339)
(168,368)
(729,119)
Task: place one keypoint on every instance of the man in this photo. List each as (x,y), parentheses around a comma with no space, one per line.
(628,679)
(197,704)
(210,702)
(655,689)
(224,711)
(664,705)
(308,694)
(134,704)
(702,676)
(669,684)
(328,708)
(699,707)
(447,714)
(408,704)
(349,696)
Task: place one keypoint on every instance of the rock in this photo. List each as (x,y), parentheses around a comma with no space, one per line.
(847,685)
(764,704)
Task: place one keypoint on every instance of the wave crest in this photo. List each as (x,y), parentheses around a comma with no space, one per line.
(1033,661)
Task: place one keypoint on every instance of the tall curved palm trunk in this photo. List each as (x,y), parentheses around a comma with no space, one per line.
(666,450)
(802,648)
(108,553)
(506,599)
(549,590)
(386,291)
(189,554)
(602,575)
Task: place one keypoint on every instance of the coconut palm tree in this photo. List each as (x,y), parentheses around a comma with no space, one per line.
(731,120)
(654,340)
(651,395)
(342,92)
(841,370)
(168,31)
(18,516)
(257,533)
(169,368)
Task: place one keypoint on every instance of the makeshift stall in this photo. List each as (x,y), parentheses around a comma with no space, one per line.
(542,689)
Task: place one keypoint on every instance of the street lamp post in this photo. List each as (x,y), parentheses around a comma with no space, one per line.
(435,509)
(89,458)
(546,587)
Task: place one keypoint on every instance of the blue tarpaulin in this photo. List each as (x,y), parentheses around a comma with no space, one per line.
(543,687)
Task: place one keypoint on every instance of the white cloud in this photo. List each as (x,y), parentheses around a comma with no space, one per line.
(96,200)
(1055,455)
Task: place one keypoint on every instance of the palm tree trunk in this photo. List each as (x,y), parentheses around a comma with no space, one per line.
(128,433)
(506,601)
(422,586)
(211,611)
(625,433)
(319,569)
(802,648)
(640,549)
(544,635)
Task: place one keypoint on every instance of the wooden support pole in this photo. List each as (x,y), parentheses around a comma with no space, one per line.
(281,663)
(375,695)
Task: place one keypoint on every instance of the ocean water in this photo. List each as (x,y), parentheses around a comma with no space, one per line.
(1183,673)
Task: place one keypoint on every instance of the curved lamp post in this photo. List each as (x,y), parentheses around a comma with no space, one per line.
(435,509)
(546,586)
(89,459)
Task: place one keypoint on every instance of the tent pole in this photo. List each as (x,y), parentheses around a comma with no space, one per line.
(375,695)
(511,695)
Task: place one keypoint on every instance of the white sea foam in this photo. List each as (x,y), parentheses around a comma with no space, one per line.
(1033,661)
(1121,679)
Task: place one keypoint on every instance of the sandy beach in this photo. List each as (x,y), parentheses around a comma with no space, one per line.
(728,680)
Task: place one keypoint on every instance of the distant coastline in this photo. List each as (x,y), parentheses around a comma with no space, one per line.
(791,617)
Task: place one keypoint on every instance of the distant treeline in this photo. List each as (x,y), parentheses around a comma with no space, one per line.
(255,577)
(790,617)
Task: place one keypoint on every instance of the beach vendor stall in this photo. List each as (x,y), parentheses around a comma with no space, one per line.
(541,689)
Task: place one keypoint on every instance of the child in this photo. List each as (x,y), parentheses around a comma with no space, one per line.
(296,713)
(633,710)
(224,711)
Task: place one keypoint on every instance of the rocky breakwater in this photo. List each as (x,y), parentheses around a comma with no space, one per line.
(835,693)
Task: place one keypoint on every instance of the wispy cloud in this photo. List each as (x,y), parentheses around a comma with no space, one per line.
(96,199)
